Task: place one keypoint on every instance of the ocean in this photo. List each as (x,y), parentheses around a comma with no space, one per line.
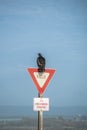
(27,111)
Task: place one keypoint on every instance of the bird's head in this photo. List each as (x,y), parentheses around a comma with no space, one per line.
(39,54)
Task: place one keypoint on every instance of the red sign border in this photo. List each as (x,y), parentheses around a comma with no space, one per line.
(31,72)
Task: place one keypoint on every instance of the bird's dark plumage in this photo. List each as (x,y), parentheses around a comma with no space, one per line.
(41,63)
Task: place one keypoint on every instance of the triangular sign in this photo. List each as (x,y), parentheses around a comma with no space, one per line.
(41,80)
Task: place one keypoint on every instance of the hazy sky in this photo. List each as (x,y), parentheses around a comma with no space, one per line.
(57,29)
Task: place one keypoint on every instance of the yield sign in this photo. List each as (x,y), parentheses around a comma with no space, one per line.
(41,80)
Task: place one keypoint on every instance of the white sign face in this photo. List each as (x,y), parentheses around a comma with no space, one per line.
(41,79)
(41,104)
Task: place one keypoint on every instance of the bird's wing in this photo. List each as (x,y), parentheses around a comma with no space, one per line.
(39,62)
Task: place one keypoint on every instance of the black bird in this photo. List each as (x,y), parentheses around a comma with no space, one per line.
(41,63)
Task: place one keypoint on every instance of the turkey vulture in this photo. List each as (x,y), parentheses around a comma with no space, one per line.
(41,63)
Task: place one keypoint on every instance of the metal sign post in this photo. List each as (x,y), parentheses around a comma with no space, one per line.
(41,81)
(40,116)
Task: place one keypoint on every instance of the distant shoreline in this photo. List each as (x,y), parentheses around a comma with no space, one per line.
(49,123)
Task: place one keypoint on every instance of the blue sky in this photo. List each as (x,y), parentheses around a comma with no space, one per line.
(57,29)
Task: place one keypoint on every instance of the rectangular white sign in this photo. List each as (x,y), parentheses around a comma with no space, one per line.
(41,104)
